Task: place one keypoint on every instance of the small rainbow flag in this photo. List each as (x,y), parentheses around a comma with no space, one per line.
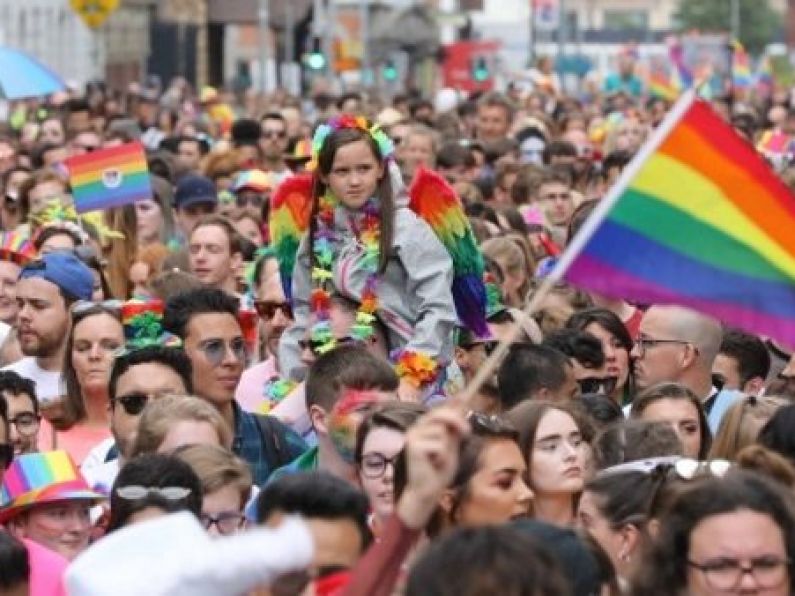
(109,177)
(663,86)
(696,219)
(741,66)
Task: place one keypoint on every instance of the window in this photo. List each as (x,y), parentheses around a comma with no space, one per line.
(622,20)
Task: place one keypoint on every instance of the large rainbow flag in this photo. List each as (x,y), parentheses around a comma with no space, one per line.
(696,219)
(109,177)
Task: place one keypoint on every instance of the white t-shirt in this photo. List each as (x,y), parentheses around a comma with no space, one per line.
(48,383)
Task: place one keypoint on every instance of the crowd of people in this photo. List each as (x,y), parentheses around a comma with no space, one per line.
(257,380)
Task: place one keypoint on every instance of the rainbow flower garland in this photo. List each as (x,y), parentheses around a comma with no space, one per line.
(274,391)
(368,234)
(385,145)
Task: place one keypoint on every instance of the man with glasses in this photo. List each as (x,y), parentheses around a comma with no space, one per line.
(19,396)
(206,320)
(137,376)
(46,290)
(273,144)
(214,253)
(252,189)
(275,315)
(677,344)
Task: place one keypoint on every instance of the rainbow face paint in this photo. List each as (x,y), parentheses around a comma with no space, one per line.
(347,415)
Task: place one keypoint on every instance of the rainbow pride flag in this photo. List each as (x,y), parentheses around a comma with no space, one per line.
(662,85)
(741,66)
(109,177)
(696,219)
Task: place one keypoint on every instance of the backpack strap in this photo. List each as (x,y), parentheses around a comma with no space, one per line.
(272,433)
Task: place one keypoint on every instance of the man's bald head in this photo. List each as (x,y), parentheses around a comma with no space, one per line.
(691,326)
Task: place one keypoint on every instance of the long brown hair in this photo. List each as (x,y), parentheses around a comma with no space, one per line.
(384,190)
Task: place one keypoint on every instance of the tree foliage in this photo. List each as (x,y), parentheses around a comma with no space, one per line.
(759,23)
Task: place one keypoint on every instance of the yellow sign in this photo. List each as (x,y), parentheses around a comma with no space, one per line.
(94,12)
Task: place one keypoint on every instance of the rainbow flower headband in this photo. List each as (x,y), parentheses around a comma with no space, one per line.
(385,145)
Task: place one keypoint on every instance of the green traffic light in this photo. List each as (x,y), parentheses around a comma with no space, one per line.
(316,61)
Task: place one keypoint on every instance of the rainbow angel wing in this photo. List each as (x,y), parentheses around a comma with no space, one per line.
(291,209)
(435,201)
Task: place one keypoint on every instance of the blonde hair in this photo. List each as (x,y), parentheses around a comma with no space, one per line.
(217,468)
(503,249)
(160,415)
(736,430)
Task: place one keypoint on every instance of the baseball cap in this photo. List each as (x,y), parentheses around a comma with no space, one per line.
(65,270)
(194,190)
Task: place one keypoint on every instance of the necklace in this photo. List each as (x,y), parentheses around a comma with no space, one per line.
(368,234)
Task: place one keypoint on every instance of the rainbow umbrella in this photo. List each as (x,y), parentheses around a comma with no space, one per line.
(23,76)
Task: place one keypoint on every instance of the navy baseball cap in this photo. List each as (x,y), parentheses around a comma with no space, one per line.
(65,270)
(195,190)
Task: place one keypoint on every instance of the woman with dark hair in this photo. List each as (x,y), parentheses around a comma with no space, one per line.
(551,437)
(614,509)
(489,485)
(96,336)
(679,407)
(729,535)
(152,485)
(616,345)
(778,433)
(379,441)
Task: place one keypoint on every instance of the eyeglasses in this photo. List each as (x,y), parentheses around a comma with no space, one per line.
(215,350)
(6,455)
(26,423)
(227,522)
(373,465)
(488,346)
(725,573)
(267,308)
(253,200)
(274,134)
(603,385)
(644,343)
(136,492)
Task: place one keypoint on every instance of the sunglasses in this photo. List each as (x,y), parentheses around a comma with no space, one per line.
(138,493)
(215,350)
(682,467)
(604,385)
(227,522)
(112,306)
(253,200)
(274,134)
(6,455)
(267,308)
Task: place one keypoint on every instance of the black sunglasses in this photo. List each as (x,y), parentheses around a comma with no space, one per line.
(603,385)
(133,402)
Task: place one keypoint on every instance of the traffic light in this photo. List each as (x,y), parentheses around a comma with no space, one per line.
(480,70)
(315,59)
(390,71)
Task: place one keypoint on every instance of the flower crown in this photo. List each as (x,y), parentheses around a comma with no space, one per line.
(385,145)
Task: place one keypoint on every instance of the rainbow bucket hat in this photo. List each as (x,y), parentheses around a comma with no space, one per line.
(36,478)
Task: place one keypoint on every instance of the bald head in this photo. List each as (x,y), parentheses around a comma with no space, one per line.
(688,325)
(680,346)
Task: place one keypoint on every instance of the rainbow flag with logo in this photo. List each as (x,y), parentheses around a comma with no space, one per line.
(696,219)
(109,177)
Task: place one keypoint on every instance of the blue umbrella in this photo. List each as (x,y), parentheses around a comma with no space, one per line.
(23,76)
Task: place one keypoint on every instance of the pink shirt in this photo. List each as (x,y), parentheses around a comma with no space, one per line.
(249,393)
(46,570)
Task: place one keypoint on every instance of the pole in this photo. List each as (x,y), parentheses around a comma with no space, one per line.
(364,28)
(262,14)
(563,34)
(531,51)
(735,19)
(579,241)
(328,37)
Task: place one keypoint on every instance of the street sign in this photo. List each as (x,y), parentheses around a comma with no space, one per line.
(94,12)
(546,14)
